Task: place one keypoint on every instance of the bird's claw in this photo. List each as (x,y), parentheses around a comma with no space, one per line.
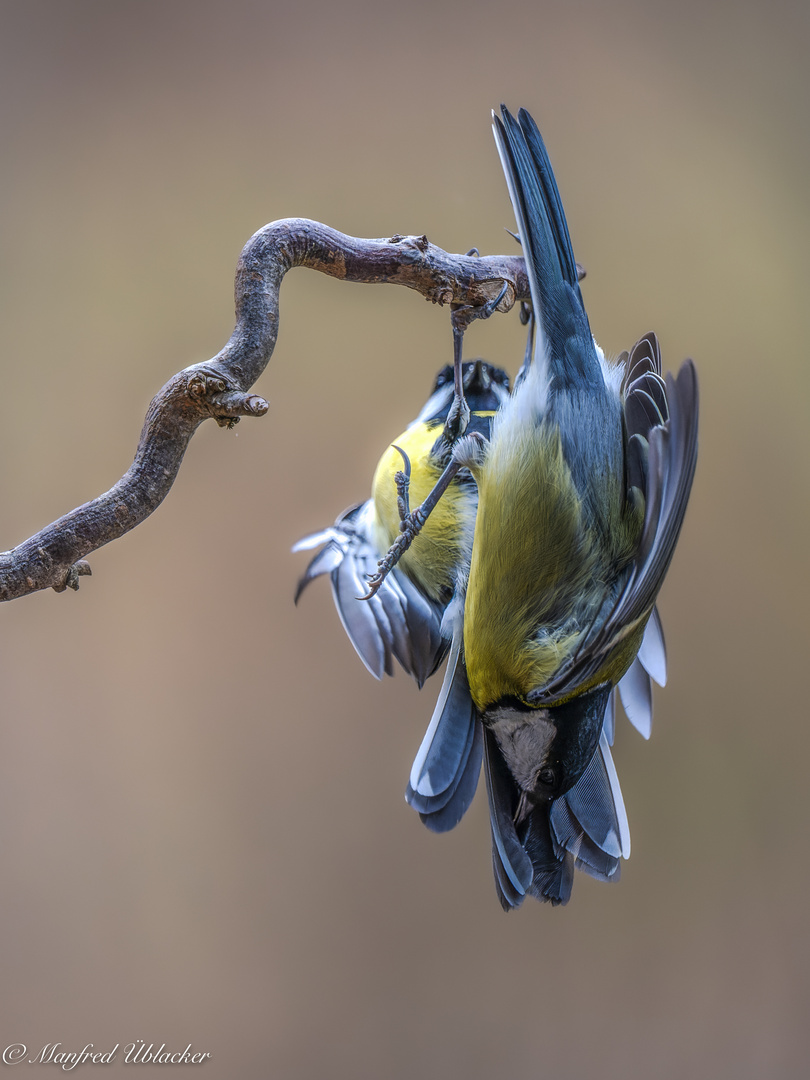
(402,479)
(410,527)
(410,522)
(457,419)
(464,314)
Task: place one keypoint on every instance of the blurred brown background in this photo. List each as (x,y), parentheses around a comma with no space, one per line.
(202,823)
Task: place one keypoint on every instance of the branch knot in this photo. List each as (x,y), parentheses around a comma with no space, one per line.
(222,399)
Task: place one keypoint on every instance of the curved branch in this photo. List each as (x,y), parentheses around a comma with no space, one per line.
(219,388)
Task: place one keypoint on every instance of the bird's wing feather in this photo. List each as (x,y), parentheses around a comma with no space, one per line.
(635,691)
(327,560)
(590,820)
(671,468)
(672,461)
(398,622)
(653,652)
(447,739)
(609,723)
(513,867)
(552,865)
(359,622)
(445,772)
(643,388)
(456,800)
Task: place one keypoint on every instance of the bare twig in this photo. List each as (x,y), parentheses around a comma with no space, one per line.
(219,388)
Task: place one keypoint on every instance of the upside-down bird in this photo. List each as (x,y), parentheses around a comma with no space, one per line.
(582,489)
(402,620)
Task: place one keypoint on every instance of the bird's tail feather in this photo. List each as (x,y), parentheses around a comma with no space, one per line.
(550,263)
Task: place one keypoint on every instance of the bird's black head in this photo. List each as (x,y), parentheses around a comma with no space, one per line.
(547,750)
(486,387)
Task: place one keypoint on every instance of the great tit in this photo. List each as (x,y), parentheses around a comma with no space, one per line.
(402,620)
(582,490)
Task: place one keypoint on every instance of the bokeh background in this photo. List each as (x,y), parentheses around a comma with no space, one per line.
(202,825)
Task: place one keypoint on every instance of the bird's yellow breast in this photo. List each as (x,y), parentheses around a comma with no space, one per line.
(532,557)
(445,539)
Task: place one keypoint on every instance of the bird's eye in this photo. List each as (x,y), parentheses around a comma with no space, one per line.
(547,777)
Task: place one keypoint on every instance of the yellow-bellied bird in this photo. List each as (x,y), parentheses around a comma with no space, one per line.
(403,618)
(582,490)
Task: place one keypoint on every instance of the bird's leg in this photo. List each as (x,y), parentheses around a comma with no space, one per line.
(459,415)
(527,319)
(461,316)
(412,522)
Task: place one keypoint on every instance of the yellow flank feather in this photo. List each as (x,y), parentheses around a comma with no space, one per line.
(447,535)
(532,560)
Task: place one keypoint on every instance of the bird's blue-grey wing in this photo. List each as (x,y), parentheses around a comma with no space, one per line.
(672,459)
(653,652)
(445,771)
(398,622)
(590,821)
(443,812)
(669,471)
(635,692)
(644,390)
(552,865)
(635,686)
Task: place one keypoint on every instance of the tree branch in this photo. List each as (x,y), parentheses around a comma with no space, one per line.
(219,388)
